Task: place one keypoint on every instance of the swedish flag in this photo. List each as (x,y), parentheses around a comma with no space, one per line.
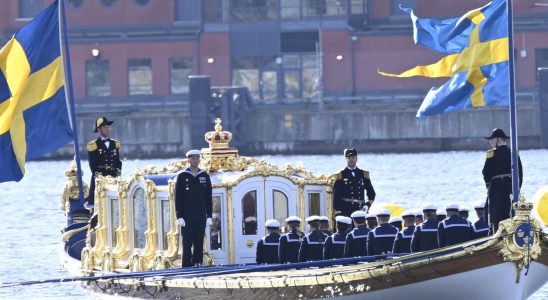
(477,60)
(34,118)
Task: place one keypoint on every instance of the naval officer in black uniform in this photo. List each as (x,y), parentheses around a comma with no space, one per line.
(267,247)
(497,174)
(193,206)
(103,156)
(351,187)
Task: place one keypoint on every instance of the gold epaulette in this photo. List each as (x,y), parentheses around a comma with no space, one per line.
(338,176)
(118,144)
(365,174)
(490,153)
(92,146)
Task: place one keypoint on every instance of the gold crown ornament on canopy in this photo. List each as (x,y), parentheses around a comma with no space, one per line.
(218,139)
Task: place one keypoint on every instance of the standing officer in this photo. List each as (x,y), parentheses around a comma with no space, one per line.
(334,245)
(381,239)
(455,229)
(402,243)
(351,186)
(193,206)
(425,236)
(267,247)
(291,242)
(103,156)
(497,174)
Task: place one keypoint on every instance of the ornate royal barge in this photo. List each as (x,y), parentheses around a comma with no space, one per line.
(136,246)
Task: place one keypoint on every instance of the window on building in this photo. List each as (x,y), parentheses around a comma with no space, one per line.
(249,213)
(299,9)
(215,10)
(253,10)
(30,8)
(97,77)
(179,70)
(279,203)
(258,74)
(142,2)
(301,76)
(108,3)
(140,77)
(75,3)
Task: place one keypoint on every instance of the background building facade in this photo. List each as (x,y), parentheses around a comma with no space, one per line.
(310,67)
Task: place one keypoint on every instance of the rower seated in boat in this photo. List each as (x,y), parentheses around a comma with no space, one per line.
(334,245)
(312,244)
(381,239)
(267,247)
(402,243)
(455,229)
(356,240)
(291,241)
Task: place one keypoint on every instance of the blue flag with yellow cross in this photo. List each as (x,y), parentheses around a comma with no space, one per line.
(34,117)
(476,45)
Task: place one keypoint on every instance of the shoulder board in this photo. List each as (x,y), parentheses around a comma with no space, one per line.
(118,144)
(337,176)
(490,153)
(365,174)
(92,146)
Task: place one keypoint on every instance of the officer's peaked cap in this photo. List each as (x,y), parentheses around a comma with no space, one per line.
(102,121)
(497,133)
(350,152)
(272,224)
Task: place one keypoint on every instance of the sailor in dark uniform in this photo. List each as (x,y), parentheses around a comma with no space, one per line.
(425,236)
(356,240)
(103,156)
(312,244)
(418,217)
(193,207)
(481,228)
(267,247)
(396,222)
(291,241)
(381,239)
(402,243)
(351,187)
(497,174)
(334,245)
(324,225)
(441,215)
(371,220)
(464,212)
(454,229)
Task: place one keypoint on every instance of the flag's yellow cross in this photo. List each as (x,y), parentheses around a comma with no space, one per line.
(27,90)
(471,59)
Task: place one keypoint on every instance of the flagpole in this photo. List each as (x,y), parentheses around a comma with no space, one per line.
(513,115)
(70,96)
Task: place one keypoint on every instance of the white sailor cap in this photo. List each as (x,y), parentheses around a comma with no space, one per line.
(371,215)
(395,219)
(383,213)
(250,219)
(324,219)
(418,213)
(293,219)
(479,205)
(193,152)
(429,207)
(441,212)
(343,219)
(452,207)
(408,213)
(464,208)
(272,223)
(312,218)
(358,214)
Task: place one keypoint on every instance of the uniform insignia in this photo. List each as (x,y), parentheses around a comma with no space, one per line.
(92,146)
(117,144)
(365,174)
(490,153)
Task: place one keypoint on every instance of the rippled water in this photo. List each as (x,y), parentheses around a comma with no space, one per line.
(31,220)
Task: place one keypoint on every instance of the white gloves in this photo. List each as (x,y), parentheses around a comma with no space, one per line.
(181,222)
(209,222)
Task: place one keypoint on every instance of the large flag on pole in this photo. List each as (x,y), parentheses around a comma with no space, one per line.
(34,119)
(477,60)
